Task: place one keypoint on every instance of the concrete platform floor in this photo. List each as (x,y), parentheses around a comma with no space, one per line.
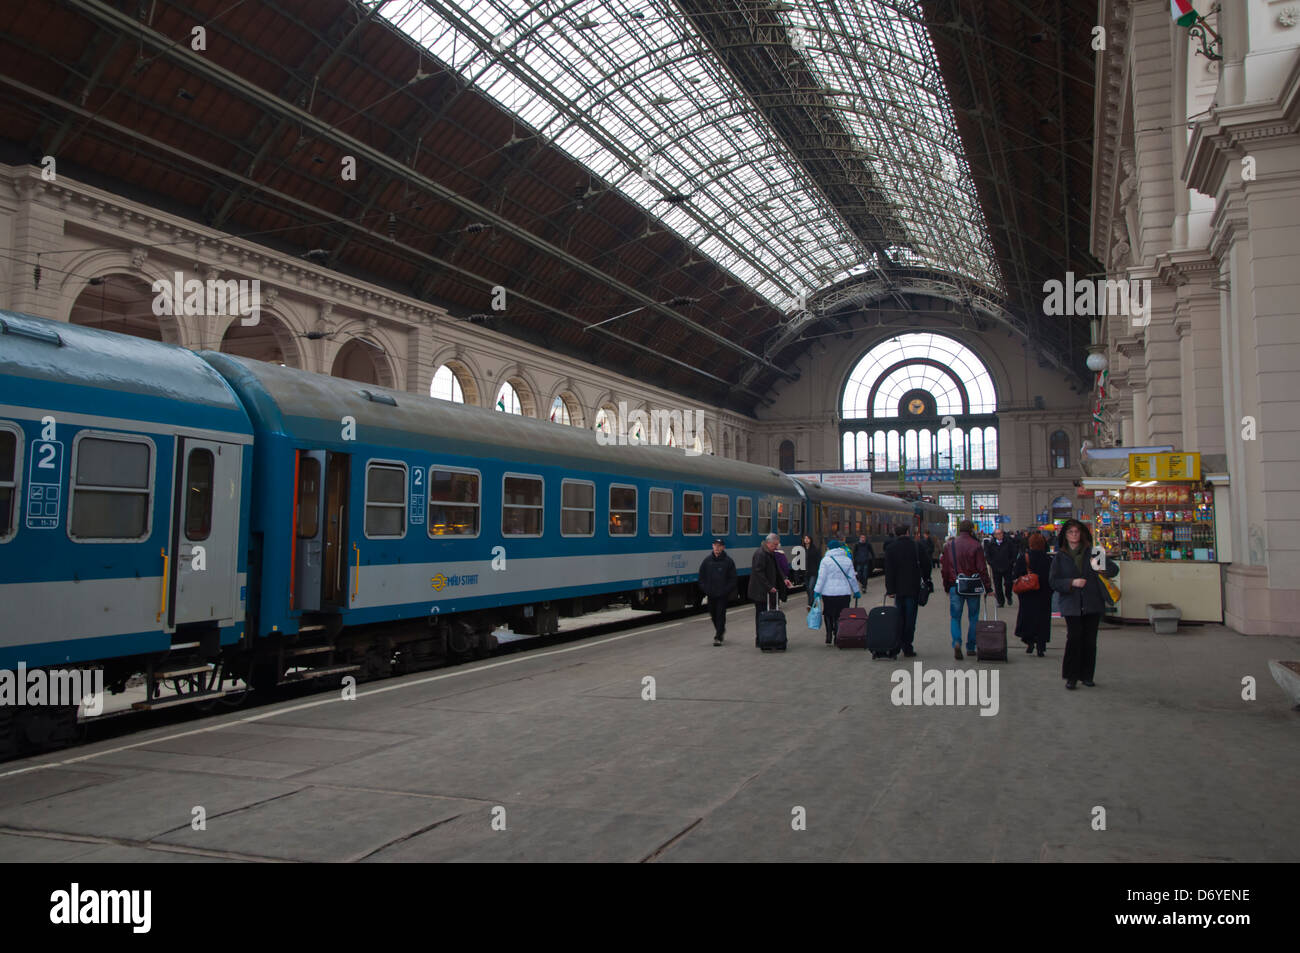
(560,747)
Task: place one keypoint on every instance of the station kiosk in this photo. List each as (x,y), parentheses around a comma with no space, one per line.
(1158,515)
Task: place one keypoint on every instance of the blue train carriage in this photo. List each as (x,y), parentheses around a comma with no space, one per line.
(845,514)
(390,530)
(122,514)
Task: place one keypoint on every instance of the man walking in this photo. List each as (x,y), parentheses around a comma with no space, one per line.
(718,582)
(1000,554)
(864,558)
(906,563)
(963,556)
(765,579)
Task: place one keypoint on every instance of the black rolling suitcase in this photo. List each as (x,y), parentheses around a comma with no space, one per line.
(884,629)
(771,628)
(990,638)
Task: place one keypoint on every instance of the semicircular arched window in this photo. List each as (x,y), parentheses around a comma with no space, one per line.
(926,399)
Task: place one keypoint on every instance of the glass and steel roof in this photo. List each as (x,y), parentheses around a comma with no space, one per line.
(634,92)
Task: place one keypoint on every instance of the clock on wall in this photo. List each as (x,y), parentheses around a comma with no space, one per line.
(916,403)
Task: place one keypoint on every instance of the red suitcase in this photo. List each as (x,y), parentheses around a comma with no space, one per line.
(851,632)
(991,638)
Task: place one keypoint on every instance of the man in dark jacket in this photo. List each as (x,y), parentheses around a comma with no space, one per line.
(963,556)
(906,563)
(1000,554)
(765,579)
(864,558)
(718,582)
(928,544)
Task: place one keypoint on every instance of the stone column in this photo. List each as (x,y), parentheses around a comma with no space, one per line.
(37,228)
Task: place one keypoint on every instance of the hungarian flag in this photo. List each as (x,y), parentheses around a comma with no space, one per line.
(1184,13)
(1102,377)
(501,403)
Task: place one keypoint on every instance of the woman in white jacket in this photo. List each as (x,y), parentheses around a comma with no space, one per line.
(836,585)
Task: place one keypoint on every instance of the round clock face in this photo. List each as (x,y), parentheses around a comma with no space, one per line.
(916,406)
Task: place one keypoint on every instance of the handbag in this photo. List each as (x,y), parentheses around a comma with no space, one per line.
(1026,583)
(815,614)
(1112,590)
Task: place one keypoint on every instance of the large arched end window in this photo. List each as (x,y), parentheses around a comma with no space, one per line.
(922,401)
(445,385)
(1059,451)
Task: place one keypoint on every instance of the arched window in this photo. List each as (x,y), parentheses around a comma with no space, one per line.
(920,380)
(446,386)
(849,452)
(863,459)
(1059,450)
(787,455)
(508,399)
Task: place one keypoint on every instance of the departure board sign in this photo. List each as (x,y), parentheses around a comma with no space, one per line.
(1164,466)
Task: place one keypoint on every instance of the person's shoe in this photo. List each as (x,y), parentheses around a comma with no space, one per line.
(1002,605)
(956,652)
(970,650)
(1070,684)
(1042,654)
(907,654)
(717,640)
(1030,650)
(829,640)
(894,654)
(1090,683)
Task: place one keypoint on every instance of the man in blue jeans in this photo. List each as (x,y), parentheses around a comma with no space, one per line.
(906,564)
(964,556)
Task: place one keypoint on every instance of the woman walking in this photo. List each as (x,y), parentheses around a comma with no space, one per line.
(835,584)
(1082,601)
(812,559)
(1034,621)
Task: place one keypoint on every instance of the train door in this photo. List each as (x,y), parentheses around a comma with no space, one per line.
(334,583)
(205,531)
(309,530)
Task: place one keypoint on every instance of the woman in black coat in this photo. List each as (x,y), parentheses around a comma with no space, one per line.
(1034,621)
(813,560)
(1082,601)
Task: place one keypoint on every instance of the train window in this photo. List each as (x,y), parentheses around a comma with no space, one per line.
(111,488)
(744,515)
(796,518)
(764,517)
(577,508)
(308,497)
(692,513)
(453,502)
(783,517)
(198,495)
(661,512)
(385,500)
(622,510)
(521,506)
(8,480)
(720,513)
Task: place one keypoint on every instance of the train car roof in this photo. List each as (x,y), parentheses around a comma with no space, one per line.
(309,407)
(156,380)
(818,492)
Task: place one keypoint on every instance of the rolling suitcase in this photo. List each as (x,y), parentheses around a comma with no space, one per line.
(885,629)
(991,638)
(771,628)
(851,629)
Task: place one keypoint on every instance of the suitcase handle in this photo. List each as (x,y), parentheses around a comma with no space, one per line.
(771,602)
(995,607)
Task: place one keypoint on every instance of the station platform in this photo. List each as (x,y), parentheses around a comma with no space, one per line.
(740,756)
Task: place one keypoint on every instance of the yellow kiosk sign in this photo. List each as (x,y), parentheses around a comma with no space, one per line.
(1164,466)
